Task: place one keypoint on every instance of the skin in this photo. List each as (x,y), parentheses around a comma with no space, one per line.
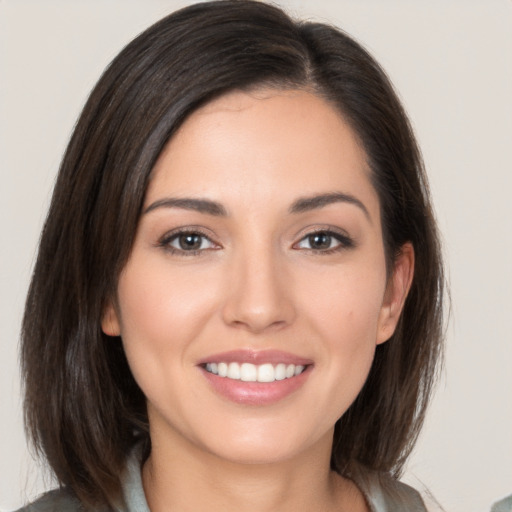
(257,282)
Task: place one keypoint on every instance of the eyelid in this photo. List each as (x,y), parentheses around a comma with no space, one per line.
(165,240)
(346,241)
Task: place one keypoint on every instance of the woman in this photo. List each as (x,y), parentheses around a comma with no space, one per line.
(239,284)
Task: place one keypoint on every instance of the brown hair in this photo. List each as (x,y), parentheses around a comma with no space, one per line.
(83,409)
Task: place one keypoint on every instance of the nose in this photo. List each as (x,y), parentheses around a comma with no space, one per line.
(260,293)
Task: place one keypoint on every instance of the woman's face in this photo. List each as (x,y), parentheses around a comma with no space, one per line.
(259,255)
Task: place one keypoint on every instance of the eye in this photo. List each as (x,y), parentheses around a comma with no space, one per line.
(324,241)
(190,242)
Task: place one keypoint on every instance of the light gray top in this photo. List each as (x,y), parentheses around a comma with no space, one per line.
(382,493)
(504,505)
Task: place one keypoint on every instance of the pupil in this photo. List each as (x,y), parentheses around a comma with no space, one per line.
(320,241)
(190,241)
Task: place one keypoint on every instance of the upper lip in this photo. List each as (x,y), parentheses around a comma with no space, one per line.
(256,357)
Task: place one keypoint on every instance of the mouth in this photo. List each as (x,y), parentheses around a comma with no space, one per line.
(256,378)
(249,372)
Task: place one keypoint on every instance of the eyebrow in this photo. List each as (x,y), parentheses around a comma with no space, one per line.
(301,205)
(306,204)
(198,205)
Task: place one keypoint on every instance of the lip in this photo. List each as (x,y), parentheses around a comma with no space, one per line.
(256,357)
(256,393)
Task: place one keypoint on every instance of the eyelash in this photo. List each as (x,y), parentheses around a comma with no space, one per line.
(344,242)
(166,240)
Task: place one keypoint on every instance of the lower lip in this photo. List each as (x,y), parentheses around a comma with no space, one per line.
(256,393)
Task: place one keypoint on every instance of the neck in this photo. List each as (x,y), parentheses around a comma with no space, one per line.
(186,478)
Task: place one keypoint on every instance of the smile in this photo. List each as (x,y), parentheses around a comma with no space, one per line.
(248,372)
(256,377)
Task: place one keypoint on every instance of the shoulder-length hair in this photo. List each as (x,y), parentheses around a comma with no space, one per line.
(83,409)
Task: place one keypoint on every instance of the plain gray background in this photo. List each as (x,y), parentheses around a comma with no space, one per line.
(451,62)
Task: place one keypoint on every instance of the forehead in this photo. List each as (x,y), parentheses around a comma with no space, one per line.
(263,144)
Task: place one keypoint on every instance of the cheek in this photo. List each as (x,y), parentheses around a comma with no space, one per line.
(161,300)
(349,328)
(345,304)
(343,312)
(161,314)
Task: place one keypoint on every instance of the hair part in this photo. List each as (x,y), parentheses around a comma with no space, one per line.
(83,409)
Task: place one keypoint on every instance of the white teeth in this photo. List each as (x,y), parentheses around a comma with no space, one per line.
(298,369)
(249,372)
(266,373)
(223,369)
(233,371)
(280,371)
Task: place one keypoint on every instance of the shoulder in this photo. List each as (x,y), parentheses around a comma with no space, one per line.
(386,494)
(504,505)
(58,500)
(64,500)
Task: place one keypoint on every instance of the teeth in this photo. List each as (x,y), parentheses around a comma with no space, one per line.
(233,371)
(249,372)
(223,369)
(280,371)
(266,373)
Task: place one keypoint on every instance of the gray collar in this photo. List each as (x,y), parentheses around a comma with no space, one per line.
(133,492)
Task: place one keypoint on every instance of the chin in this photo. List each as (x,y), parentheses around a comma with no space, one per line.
(268,445)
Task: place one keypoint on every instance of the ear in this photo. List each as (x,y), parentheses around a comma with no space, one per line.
(109,321)
(397,288)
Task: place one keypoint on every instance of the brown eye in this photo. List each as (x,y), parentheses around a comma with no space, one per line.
(187,242)
(190,241)
(320,241)
(325,241)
